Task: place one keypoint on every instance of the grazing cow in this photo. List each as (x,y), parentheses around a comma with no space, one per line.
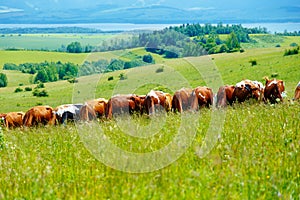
(93,109)
(39,115)
(120,104)
(225,95)
(99,106)
(242,91)
(182,100)
(297,92)
(157,100)
(67,112)
(257,89)
(274,91)
(14,119)
(87,112)
(202,97)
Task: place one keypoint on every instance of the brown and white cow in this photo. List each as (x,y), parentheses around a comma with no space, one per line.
(202,96)
(39,115)
(225,96)
(274,91)
(67,112)
(182,100)
(242,91)
(122,104)
(14,119)
(257,89)
(157,100)
(297,92)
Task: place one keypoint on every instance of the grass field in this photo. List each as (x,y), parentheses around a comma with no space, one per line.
(50,41)
(256,157)
(256,154)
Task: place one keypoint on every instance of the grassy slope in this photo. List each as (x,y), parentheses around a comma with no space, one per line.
(256,156)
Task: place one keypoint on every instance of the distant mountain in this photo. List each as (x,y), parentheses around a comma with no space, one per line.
(148,11)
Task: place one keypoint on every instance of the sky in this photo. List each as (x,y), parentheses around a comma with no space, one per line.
(94,9)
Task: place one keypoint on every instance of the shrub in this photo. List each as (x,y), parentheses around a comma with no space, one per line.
(73,80)
(160,69)
(27,89)
(39,93)
(122,76)
(274,75)
(18,90)
(294,44)
(253,62)
(278,45)
(3,80)
(40,85)
(110,78)
(148,58)
(291,51)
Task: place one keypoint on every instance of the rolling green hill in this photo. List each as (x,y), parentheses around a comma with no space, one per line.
(253,149)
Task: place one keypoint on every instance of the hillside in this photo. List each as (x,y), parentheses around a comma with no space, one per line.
(178,73)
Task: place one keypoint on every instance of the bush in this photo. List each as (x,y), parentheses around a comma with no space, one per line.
(39,93)
(3,80)
(294,44)
(73,80)
(110,78)
(18,90)
(27,89)
(253,62)
(40,85)
(160,69)
(122,76)
(148,58)
(291,52)
(278,45)
(274,75)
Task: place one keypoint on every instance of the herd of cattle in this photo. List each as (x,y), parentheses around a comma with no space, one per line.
(183,99)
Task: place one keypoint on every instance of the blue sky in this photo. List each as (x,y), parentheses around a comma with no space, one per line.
(91,9)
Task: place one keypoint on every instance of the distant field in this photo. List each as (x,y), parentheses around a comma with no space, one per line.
(50,41)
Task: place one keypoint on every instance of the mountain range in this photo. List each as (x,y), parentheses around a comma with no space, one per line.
(148,11)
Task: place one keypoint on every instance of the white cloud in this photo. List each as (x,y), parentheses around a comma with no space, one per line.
(200,8)
(5,9)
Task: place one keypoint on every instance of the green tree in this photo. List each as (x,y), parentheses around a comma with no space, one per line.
(74,47)
(3,80)
(41,76)
(148,58)
(232,42)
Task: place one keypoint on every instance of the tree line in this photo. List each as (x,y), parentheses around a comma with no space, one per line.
(179,41)
(54,71)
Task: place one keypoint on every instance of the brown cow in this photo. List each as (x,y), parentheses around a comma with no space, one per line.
(202,97)
(182,100)
(274,91)
(14,119)
(225,95)
(297,92)
(87,113)
(39,115)
(157,100)
(120,104)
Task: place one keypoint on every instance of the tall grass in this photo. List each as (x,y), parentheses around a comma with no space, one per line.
(256,157)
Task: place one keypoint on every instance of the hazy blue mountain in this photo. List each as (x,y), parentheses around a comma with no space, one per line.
(148,11)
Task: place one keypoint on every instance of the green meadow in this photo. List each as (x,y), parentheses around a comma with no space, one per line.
(49,41)
(255,146)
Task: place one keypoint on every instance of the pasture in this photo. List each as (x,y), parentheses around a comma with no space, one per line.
(256,155)
(49,41)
